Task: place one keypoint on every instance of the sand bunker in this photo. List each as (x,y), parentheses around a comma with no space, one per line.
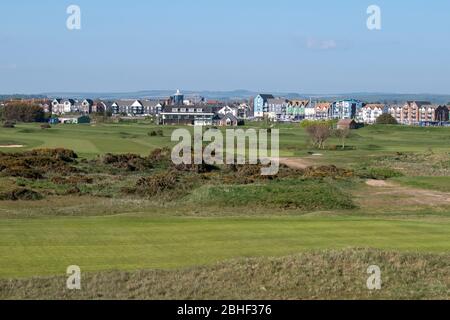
(12,146)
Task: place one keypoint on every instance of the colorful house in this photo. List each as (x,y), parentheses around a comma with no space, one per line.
(345,109)
(260,107)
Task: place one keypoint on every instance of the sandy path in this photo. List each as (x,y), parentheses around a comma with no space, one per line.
(408,195)
(296,163)
(12,146)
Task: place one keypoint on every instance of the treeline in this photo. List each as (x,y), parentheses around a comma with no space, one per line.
(22,112)
(21,96)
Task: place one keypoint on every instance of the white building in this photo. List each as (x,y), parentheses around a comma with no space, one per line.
(62,106)
(369,113)
(227,109)
(136,107)
(310,112)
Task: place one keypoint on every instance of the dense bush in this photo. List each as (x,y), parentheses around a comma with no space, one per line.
(378,173)
(21,194)
(129,162)
(308,123)
(23,112)
(8,124)
(386,118)
(156,133)
(58,153)
(156,184)
(34,164)
(327,172)
(160,155)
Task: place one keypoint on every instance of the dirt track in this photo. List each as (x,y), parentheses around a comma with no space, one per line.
(407,195)
(296,163)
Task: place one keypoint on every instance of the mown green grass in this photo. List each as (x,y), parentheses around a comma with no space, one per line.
(91,140)
(32,247)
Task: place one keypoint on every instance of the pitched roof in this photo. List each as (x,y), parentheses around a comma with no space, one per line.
(266,96)
(276,101)
(419,103)
(149,103)
(323,105)
(373,106)
(124,103)
(229,116)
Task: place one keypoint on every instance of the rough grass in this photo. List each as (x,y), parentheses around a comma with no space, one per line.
(298,194)
(313,275)
(430,183)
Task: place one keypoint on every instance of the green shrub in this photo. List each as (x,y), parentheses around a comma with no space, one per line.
(302,194)
(386,118)
(9,124)
(156,133)
(21,194)
(379,173)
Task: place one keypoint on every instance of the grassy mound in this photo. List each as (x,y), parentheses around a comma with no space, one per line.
(314,275)
(296,194)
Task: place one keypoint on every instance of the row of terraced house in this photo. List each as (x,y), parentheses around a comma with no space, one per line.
(409,113)
(174,110)
(177,110)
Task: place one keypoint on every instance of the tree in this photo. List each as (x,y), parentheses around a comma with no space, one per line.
(386,118)
(23,112)
(319,133)
(342,135)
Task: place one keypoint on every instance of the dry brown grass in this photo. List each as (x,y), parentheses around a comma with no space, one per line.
(315,275)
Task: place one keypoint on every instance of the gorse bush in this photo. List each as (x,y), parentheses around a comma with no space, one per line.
(36,163)
(129,162)
(156,133)
(20,194)
(156,184)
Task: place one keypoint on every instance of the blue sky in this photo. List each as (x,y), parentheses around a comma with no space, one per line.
(320,46)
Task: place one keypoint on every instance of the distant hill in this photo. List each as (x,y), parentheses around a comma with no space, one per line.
(22,96)
(242,94)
